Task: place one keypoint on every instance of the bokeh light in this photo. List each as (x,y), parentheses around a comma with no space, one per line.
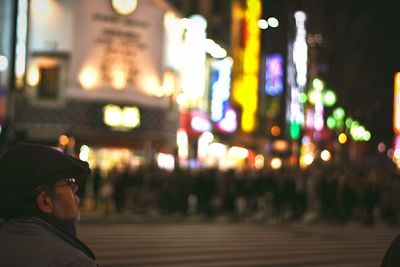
(275,130)
(273,22)
(276,163)
(262,24)
(381,147)
(326,155)
(342,138)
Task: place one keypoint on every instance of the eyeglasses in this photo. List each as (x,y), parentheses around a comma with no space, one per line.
(71,182)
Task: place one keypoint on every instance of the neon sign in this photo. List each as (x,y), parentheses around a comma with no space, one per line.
(274,75)
(246,91)
(194,59)
(20,53)
(220,88)
(396,104)
(297,76)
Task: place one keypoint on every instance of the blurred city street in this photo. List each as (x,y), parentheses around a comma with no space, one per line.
(127,240)
(218,132)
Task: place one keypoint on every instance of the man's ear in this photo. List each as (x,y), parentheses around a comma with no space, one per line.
(44,202)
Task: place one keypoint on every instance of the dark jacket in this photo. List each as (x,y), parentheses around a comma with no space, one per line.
(392,256)
(35,242)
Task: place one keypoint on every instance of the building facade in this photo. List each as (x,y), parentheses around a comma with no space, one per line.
(98,77)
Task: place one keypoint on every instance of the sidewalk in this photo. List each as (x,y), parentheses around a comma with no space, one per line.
(125,217)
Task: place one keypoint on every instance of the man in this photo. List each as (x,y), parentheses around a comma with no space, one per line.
(39,208)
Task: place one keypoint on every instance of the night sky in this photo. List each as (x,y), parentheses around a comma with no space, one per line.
(358,57)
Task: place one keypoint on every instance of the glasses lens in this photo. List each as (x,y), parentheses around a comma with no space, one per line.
(71,181)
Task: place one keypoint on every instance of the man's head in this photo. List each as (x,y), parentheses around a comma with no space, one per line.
(59,200)
(37,179)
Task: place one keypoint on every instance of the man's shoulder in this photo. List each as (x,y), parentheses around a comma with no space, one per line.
(20,226)
(34,240)
(28,232)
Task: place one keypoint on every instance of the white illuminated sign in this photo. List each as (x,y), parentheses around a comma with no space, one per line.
(22,29)
(173,46)
(194,66)
(121,118)
(300,49)
(297,75)
(123,53)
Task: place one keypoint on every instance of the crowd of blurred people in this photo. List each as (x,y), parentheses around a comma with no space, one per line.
(332,193)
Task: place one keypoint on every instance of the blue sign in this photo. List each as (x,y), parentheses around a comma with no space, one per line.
(274,74)
(220,88)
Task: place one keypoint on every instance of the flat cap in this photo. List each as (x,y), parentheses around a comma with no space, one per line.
(23,167)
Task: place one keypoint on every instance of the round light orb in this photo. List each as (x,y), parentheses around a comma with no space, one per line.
(326,155)
(342,138)
(273,22)
(124,7)
(329,98)
(262,24)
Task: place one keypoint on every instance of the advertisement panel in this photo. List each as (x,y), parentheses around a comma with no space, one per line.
(116,51)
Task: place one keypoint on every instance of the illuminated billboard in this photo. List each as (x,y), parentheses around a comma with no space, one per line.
(396,104)
(274,74)
(220,88)
(297,75)
(245,85)
(115,52)
(194,60)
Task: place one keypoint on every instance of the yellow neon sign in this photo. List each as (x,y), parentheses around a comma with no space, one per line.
(245,92)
